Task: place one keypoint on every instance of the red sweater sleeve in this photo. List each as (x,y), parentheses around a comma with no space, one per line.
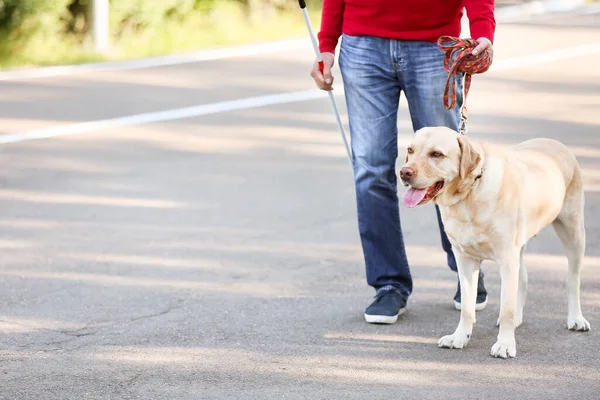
(332,16)
(481,18)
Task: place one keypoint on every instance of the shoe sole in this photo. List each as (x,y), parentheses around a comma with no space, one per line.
(384,319)
(478,306)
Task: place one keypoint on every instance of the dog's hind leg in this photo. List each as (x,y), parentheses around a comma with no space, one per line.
(569,226)
(522,293)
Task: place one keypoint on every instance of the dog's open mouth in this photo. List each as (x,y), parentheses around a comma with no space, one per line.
(414,197)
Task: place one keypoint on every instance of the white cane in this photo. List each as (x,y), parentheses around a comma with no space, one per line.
(313,38)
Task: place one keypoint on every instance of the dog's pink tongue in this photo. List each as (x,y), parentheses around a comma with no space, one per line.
(413,196)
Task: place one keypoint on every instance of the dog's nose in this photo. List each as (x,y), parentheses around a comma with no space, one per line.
(406,173)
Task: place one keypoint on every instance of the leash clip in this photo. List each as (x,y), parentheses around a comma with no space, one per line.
(463,120)
(463,127)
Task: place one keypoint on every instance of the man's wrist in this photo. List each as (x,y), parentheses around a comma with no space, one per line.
(326,49)
(482,30)
(327,43)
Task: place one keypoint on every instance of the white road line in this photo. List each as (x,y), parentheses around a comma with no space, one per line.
(161,116)
(253,102)
(542,58)
(154,62)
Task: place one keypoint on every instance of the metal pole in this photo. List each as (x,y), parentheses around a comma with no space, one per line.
(100,24)
(314,41)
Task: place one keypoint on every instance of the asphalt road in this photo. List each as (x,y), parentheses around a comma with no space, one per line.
(217,257)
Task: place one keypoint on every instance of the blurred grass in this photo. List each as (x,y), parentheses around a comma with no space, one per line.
(227,23)
(56,32)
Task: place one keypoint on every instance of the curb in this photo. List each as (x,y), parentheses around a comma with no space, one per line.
(523,12)
(153,62)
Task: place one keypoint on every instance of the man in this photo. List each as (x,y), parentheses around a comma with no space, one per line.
(388,47)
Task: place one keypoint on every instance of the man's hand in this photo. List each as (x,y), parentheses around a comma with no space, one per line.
(484,43)
(323,80)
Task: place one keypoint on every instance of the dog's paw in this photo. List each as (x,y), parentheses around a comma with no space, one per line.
(578,324)
(455,341)
(504,349)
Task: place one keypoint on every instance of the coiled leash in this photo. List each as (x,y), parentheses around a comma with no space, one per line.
(459,59)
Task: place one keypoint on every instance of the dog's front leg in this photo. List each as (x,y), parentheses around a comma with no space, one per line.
(468,274)
(509,273)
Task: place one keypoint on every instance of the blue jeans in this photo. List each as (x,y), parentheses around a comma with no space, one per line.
(375,71)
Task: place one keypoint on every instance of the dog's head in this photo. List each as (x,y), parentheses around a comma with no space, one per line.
(440,162)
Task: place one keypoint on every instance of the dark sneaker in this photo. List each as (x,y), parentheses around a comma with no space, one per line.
(388,305)
(481,295)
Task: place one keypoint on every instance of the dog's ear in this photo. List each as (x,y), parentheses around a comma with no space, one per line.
(469,157)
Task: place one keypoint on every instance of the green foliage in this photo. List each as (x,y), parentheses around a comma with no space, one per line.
(14,13)
(24,23)
(57,31)
(136,15)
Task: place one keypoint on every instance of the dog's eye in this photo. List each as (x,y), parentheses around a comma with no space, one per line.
(410,150)
(436,154)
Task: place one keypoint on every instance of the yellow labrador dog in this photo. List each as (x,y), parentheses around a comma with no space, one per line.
(492,201)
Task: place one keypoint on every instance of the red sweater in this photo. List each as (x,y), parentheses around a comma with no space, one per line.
(425,20)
